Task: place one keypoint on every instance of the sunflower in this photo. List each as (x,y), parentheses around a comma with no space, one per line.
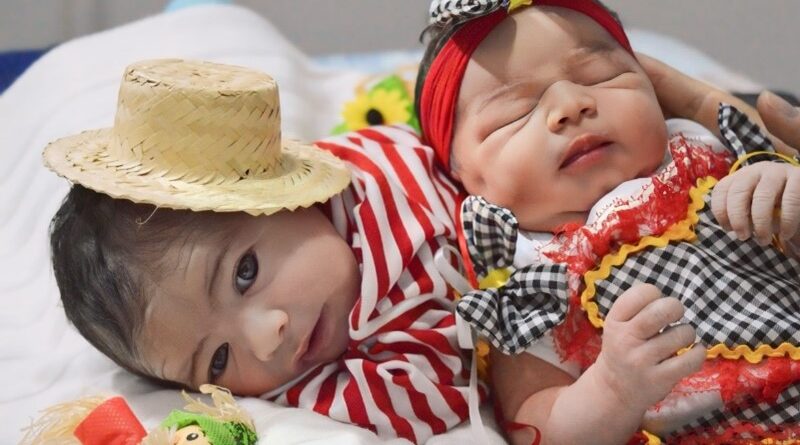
(377,107)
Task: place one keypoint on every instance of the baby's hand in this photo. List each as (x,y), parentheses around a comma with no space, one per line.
(638,362)
(745,201)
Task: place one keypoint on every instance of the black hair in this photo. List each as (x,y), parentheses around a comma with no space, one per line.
(107,256)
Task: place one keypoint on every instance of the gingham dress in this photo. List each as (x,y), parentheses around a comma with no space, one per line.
(736,294)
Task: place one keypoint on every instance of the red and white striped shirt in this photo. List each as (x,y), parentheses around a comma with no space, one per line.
(403,374)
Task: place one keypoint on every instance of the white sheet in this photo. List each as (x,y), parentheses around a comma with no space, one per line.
(42,359)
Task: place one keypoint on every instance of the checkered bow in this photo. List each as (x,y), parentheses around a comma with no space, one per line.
(531,302)
(443,12)
(741,135)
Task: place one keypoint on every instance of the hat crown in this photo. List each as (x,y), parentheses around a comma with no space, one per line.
(197,121)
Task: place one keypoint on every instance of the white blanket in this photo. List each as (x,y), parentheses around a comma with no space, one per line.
(43,360)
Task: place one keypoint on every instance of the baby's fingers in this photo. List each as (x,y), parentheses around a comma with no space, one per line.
(632,301)
(790,205)
(675,368)
(719,202)
(655,317)
(739,202)
(766,196)
(669,342)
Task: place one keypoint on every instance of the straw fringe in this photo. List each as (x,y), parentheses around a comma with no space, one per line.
(225,407)
(56,424)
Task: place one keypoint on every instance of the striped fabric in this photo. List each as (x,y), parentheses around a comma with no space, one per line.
(403,374)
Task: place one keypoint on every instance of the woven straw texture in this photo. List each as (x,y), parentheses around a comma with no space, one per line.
(200,136)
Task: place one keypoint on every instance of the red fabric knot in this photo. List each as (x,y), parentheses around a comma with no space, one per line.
(111,423)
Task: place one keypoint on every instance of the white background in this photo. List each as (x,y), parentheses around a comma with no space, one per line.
(756,38)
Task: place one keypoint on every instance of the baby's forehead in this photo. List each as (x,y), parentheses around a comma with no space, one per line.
(532,50)
(549,34)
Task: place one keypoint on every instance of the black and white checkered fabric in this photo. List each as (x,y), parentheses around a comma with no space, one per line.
(450,12)
(491,234)
(534,300)
(513,317)
(784,411)
(741,135)
(735,292)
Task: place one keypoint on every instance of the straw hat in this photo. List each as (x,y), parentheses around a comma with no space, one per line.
(200,136)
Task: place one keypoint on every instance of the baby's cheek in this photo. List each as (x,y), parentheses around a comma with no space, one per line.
(649,139)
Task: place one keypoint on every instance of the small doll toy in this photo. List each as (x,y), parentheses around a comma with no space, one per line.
(102,420)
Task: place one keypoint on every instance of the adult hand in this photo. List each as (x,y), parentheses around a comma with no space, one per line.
(689,98)
(781,119)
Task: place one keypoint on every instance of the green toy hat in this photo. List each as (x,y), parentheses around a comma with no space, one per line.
(217,432)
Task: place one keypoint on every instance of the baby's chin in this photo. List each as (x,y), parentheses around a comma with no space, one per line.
(556,223)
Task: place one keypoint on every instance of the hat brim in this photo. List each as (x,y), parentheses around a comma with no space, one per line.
(306,175)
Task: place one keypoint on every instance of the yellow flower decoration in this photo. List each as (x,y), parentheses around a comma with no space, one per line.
(378,107)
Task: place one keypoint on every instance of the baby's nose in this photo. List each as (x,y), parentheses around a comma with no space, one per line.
(570,103)
(264,330)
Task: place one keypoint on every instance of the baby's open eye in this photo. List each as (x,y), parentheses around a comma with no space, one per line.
(218,362)
(246,272)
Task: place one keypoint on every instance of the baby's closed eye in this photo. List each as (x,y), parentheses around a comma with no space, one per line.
(599,73)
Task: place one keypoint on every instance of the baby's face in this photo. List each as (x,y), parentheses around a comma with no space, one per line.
(254,308)
(552,114)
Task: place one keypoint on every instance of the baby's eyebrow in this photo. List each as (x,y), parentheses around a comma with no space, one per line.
(194,361)
(580,55)
(498,93)
(211,278)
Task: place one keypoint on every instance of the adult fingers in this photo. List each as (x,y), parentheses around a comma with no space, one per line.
(766,197)
(684,96)
(632,301)
(780,118)
(678,94)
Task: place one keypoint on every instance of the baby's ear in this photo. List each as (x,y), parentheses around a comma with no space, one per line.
(491,234)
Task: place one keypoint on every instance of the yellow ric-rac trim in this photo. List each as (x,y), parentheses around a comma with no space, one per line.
(780,441)
(753,355)
(681,231)
(652,439)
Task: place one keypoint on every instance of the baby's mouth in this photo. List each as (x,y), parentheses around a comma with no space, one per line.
(581,147)
(314,341)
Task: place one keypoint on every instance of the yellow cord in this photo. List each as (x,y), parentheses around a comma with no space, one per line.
(744,158)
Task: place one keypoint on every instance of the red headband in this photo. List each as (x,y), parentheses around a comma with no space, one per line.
(443,82)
